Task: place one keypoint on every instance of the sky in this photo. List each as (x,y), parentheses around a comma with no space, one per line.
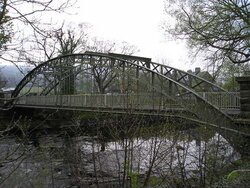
(137,22)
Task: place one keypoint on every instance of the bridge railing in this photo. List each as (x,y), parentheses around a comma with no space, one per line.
(223,100)
(124,101)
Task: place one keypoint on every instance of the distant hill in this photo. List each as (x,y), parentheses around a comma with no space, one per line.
(12,74)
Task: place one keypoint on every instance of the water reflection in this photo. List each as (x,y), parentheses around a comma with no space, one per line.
(166,158)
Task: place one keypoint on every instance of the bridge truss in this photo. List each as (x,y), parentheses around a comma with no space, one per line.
(113,81)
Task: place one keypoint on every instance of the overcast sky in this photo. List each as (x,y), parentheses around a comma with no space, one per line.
(137,22)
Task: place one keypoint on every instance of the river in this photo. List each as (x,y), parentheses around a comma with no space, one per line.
(137,156)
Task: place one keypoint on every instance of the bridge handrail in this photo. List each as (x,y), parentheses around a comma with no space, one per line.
(224,100)
(108,99)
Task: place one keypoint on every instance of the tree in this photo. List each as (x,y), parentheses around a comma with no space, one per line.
(68,43)
(103,75)
(228,74)
(3,81)
(75,39)
(220,28)
(23,14)
(5,25)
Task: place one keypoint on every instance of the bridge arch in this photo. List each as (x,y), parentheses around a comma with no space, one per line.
(123,74)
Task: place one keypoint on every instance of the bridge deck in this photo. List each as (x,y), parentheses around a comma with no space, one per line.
(114,102)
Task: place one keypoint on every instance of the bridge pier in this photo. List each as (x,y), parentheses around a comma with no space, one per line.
(244,83)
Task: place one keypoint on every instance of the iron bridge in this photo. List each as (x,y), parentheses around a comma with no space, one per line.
(116,82)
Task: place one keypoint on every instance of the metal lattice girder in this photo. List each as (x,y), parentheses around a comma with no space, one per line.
(131,74)
(176,74)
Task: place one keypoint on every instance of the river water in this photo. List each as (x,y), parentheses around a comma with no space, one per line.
(155,158)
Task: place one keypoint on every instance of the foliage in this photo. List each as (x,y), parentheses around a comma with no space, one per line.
(233,175)
(133,175)
(237,175)
(229,71)
(220,28)
(234,179)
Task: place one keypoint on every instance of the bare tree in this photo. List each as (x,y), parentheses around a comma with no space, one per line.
(24,11)
(17,18)
(5,26)
(220,29)
(103,75)
(106,46)
(75,39)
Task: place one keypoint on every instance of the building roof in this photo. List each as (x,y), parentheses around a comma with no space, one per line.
(7,90)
